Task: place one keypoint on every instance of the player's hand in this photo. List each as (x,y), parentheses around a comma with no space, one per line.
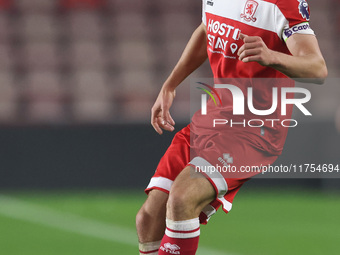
(255,50)
(160,114)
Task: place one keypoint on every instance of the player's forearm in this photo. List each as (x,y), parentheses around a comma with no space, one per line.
(193,56)
(310,67)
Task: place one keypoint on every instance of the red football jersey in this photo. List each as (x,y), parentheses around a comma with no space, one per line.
(274,21)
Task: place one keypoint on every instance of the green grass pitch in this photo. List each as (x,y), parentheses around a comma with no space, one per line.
(262,222)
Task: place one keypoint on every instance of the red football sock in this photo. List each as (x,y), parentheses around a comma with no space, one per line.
(181,237)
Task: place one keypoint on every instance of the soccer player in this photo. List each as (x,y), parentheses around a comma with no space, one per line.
(242,39)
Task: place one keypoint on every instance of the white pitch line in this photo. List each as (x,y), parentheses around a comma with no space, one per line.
(21,210)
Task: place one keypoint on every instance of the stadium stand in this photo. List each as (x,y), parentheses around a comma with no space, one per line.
(107,57)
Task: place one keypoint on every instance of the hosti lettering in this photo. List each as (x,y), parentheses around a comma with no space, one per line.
(220,35)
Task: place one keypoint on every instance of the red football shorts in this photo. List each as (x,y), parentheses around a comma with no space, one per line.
(210,154)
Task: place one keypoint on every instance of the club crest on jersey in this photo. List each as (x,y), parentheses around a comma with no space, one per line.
(303,9)
(249,11)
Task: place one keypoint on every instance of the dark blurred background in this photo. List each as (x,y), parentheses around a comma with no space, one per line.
(78,79)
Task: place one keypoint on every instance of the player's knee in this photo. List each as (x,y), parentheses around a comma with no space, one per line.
(180,202)
(153,208)
(141,218)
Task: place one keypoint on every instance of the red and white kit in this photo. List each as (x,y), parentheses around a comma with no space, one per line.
(201,145)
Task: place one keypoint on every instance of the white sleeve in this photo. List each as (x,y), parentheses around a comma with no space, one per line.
(204,19)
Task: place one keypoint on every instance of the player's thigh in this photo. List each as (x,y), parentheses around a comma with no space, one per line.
(192,189)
